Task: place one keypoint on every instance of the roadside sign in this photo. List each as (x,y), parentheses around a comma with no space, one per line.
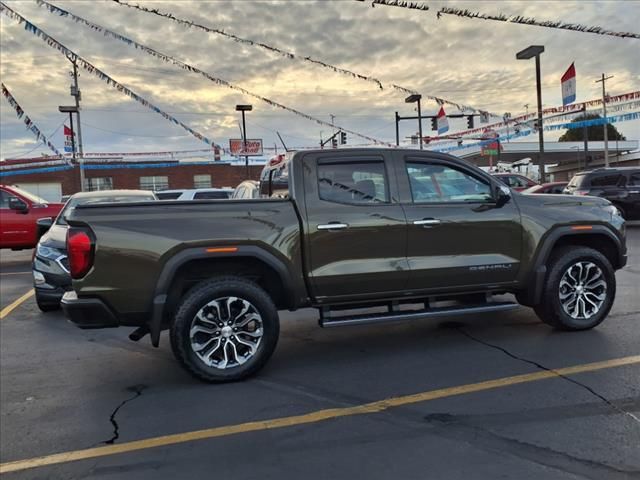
(68,143)
(490,149)
(254,147)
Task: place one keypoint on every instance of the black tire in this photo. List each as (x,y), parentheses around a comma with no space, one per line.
(46,305)
(550,309)
(198,298)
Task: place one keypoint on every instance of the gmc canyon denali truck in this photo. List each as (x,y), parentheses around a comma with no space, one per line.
(415,234)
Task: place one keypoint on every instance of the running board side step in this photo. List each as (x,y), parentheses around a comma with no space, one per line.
(399,315)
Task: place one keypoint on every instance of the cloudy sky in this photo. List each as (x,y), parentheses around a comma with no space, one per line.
(465,60)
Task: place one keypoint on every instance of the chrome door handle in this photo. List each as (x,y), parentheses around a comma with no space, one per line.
(333,226)
(634,191)
(427,221)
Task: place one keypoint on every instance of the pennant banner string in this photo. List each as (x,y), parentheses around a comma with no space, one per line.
(190,68)
(52,42)
(575,27)
(519,19)
(293,56)
(575,108)
(27,121)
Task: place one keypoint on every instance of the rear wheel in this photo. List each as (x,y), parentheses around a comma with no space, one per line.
(225,329)
(579,289)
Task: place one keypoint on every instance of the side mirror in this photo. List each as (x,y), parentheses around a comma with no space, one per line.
(43,225)
(503,195)
(18,205)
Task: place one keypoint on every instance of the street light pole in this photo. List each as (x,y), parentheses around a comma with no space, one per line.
(531,52)
(245,108)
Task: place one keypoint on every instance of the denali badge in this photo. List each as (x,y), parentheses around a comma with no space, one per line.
(495,266)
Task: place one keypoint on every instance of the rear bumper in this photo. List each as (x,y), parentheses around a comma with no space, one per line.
(88,312)
(47,295)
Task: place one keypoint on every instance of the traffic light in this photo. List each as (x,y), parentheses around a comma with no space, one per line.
(343,138)
(470,122)
(334,142)
(434,123)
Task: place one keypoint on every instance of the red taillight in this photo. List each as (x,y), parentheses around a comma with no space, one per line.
(581,192)
(79,251)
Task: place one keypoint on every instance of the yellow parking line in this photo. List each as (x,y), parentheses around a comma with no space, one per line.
(11,307)
(307,418)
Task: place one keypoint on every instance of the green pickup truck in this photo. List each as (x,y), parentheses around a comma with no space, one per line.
(415,234)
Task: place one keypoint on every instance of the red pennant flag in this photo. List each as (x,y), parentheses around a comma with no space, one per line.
(67,131)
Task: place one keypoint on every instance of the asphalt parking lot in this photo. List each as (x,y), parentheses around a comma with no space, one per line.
(461,398)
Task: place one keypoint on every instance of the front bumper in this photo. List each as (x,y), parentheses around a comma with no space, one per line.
(88,312)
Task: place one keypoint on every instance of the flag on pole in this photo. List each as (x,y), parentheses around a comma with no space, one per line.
(568,82)
(67,131)
(442,122)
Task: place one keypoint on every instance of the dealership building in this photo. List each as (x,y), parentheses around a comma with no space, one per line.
(53,177)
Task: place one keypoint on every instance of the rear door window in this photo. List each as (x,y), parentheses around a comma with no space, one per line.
(634,180)
(353,183)
(609,180)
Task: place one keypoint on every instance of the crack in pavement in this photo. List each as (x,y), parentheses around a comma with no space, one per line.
(547,369)
(137,389)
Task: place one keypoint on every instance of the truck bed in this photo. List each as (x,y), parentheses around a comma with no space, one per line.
(139,238)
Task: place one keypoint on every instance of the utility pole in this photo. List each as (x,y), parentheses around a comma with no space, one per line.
(75,92)
(606,123)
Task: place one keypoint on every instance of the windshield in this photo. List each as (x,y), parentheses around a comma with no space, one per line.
(29,196)
(577,180)
(75,201)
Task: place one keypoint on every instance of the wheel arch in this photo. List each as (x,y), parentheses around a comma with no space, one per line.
(598,237)
(193,265)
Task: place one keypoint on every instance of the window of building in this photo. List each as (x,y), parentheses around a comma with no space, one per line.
(154,183)
(354,183)
(202,181)
(98,183)
(437,183)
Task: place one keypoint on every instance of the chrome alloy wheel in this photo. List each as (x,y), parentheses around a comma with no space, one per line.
(226,332)
(583,290)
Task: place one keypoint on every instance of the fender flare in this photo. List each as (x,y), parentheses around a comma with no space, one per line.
(172,266)
(539,268)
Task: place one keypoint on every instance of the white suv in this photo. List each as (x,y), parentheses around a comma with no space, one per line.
(196,194)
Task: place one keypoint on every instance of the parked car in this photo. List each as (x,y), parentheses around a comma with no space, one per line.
(619,185)
(516,181)
(247,189)
(19,212)
(552,187)
(358,228)
(196,194)
(50,263)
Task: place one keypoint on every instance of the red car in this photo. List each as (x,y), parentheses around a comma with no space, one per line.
(19,212)
(516,181)
(551,187)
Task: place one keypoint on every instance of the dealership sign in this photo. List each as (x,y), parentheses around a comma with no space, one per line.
(69,137)
(254,147)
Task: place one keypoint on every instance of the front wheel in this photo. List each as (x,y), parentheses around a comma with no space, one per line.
(579,289)
(225,329)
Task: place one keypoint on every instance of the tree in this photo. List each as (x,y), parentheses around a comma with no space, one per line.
(594,132)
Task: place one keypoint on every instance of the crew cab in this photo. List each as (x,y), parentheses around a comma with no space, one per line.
(19,213)
(420,234)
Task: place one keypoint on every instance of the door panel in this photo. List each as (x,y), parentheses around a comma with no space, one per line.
(457,237)
(363,254)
